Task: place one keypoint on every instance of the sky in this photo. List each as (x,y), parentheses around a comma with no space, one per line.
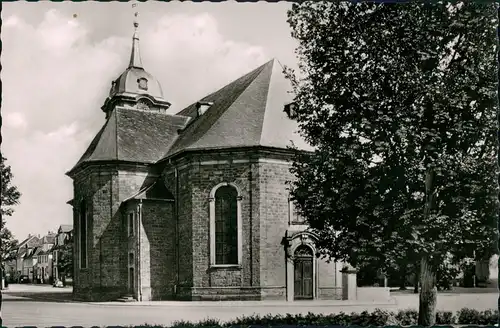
(58,61)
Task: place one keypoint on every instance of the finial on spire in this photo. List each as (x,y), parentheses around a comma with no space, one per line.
(135,57)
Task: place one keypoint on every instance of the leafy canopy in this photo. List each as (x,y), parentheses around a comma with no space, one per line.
(387,92)
(9,193)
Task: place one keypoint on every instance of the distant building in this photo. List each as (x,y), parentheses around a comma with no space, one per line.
(20,253)
(64,236)
(43,268)
(30,260)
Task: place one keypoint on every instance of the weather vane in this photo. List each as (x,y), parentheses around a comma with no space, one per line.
(136,14)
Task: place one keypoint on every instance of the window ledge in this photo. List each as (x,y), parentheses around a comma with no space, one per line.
(225,266)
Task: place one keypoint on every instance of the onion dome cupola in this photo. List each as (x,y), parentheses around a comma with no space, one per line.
(135,88)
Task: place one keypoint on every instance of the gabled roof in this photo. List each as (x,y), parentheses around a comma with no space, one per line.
(133,136)
(49,238)
(246,112)
(34,240)
(31,241)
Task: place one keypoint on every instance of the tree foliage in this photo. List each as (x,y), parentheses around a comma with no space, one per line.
(8,243)
(65,259)
(386,94)
(9,193)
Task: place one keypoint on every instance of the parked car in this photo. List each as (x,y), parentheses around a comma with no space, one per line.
(24,279)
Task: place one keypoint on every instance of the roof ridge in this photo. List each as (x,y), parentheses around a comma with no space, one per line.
(266,111)
(261,71)
(261,67)
(92,146)
(196,124)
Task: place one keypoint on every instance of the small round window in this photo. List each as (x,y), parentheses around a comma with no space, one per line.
(144,104)
(142,83)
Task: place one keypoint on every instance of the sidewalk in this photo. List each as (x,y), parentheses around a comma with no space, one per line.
(315,303)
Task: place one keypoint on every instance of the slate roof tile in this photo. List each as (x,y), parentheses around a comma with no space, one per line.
(247,112)
(133,136)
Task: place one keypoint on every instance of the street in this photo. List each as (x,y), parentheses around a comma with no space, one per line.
(46,306)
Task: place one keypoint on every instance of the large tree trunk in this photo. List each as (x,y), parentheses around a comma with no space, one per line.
(428,290)
(428,296)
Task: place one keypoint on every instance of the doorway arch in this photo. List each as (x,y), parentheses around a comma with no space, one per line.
(303,270)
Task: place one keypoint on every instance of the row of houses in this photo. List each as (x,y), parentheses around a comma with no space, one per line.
(36,258)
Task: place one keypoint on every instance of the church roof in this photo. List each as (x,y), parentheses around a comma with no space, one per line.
(133,136)
(246,112)
(153,190)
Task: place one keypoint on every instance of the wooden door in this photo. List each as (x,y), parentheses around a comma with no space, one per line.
(303,275)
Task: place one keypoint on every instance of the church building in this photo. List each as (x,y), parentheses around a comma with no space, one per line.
(194,205)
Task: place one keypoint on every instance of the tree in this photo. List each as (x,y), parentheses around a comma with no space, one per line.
(9,196)
(8,243)
(9,193)
(399,101)
(65,260)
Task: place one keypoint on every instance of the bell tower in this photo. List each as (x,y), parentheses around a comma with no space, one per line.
(135,88)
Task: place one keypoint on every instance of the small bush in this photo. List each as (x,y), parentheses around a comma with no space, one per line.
(376,318)
(468,316)
(207,323)
(488,317)
(407,317)
(444,318)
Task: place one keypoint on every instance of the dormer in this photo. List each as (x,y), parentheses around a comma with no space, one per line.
(291,110)
(202,107)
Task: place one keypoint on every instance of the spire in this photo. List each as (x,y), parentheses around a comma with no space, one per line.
(135,56)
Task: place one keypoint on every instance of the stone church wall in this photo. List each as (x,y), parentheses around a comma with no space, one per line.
(158,254)
(103,188)
(182,229)
(101,278)
(274,213)
(221,283)
(264,211)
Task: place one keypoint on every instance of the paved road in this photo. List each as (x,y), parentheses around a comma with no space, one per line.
(28,311)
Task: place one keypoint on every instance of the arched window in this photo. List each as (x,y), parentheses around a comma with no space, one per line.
(225,225)
(83,235)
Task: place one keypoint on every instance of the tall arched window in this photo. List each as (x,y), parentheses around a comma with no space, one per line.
(83,235)
(226,225)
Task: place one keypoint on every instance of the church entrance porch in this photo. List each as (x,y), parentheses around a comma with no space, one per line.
(301,266)
(303,273)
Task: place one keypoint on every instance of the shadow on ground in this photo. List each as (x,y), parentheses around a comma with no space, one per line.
(56,297)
